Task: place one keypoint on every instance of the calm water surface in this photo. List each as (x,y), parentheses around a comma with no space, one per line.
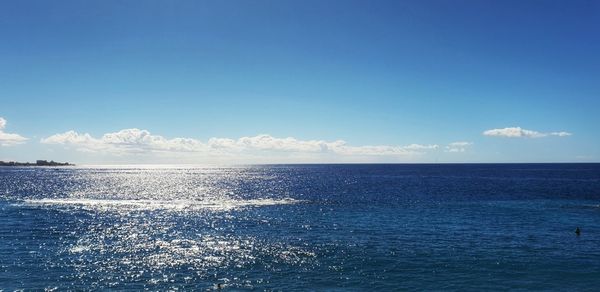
(315,227)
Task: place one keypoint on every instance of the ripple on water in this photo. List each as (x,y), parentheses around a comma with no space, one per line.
(156,243)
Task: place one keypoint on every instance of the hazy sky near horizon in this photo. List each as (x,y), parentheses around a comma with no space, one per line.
(299,81)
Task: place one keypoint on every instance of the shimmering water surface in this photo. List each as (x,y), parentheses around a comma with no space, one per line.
(315,227)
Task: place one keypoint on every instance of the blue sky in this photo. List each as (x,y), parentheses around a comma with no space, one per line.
(396,81)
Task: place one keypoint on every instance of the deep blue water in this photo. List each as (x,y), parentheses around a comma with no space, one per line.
(312,227)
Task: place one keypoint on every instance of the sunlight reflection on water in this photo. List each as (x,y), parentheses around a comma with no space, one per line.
(156,226)
(172,205)
(157,250)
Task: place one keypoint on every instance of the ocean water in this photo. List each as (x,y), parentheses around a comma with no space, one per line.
(301,227)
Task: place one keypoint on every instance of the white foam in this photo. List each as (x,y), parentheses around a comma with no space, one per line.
(211,204)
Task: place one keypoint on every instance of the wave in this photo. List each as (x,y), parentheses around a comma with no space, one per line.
(144,204)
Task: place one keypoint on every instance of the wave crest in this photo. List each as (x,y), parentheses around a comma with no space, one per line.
(144,204)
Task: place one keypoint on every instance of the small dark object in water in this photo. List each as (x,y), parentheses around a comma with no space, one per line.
(577,231)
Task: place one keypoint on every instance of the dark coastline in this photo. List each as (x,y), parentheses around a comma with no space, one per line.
(37,163)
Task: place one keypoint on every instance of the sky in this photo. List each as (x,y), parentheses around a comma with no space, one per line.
(209,82)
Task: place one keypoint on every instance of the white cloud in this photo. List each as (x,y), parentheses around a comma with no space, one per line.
(518,132)
(8,139)
(456,147)
(340,147)
(380,150)
(124,141)
(560,134)
(267,142)
(131,141)
(420,147)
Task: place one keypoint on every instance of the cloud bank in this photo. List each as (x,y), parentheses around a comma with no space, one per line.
(456,147)
(136,141)
(8,139)
(518,132)
(124,141)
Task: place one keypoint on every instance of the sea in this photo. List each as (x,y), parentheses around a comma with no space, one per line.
(347,227)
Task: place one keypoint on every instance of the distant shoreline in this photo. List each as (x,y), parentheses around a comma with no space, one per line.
(37,163)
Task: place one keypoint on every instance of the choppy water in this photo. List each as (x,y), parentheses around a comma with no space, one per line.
(316,227)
